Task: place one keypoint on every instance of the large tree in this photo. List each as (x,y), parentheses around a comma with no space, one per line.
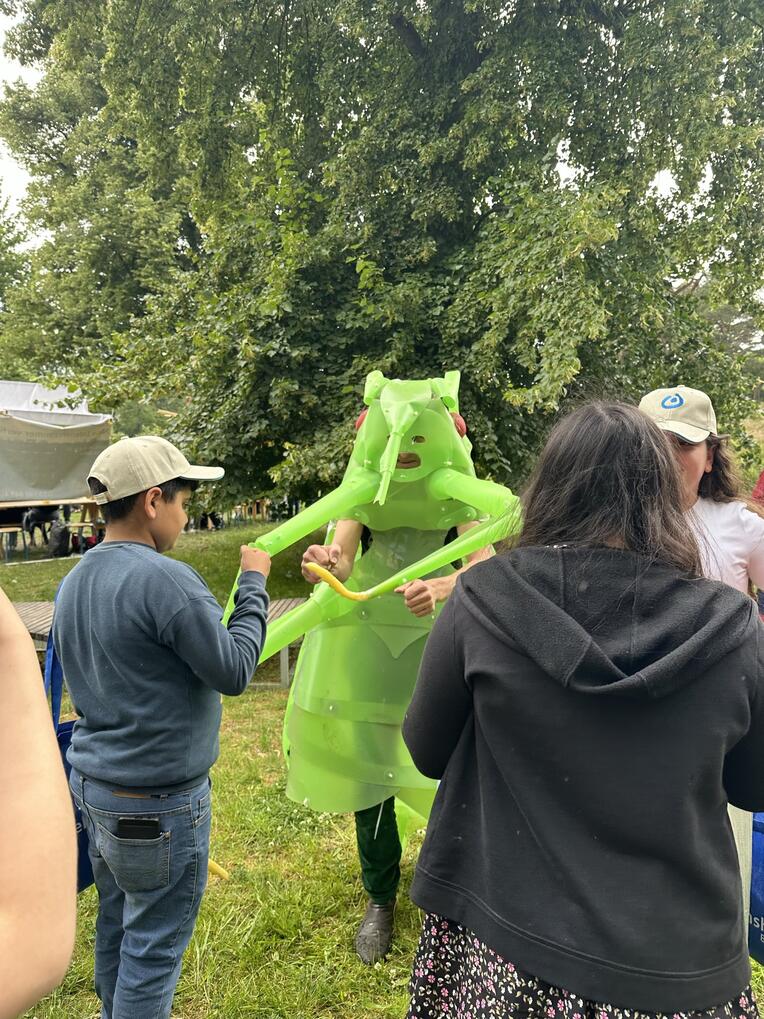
(106,234)
(252,203)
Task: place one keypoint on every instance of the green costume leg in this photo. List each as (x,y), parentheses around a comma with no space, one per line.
(379,850)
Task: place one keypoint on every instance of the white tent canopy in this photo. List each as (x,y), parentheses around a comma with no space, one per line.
(47,446)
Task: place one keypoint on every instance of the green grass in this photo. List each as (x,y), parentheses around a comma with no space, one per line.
(214,554)
(274,942)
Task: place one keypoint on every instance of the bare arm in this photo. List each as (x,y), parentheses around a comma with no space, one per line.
(421,596)
(338,557)
(38,850)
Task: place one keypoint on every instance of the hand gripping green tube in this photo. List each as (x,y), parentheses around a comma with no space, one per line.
(409,480)
(361,486)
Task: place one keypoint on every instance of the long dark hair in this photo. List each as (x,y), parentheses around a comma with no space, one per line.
(607,476)
(723,482)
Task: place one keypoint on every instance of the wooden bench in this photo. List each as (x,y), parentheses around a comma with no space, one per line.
(37,616)
(276,609)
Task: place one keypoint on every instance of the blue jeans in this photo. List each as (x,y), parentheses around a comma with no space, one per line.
(149,892)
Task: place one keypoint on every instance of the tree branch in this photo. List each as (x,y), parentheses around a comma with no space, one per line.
(747,16)
(408,35)
(690,286)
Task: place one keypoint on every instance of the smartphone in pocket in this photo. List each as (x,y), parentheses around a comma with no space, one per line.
(138,828)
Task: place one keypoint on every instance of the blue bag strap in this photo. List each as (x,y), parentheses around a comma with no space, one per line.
(53,676)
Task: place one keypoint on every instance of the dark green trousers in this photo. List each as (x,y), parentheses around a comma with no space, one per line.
(379,850)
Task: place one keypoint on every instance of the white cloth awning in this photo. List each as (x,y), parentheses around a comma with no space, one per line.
(47,447)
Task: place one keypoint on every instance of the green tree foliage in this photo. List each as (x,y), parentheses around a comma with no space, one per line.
(12,270)
(251,204)
(106,234)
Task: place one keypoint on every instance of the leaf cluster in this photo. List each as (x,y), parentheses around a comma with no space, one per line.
(250,204)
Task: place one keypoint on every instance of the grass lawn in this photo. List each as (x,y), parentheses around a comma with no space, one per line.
(274,942)
(214,554)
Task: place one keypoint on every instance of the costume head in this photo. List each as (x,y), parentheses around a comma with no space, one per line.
(410,429)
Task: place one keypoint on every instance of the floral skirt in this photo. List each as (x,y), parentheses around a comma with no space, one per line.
(456,976)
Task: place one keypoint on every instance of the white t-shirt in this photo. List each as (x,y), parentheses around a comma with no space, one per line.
(731,541)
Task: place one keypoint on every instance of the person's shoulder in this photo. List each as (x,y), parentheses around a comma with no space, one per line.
(483,571)
(145,564)
(733,510)
(179,574)
(748,517)
(70,582)
(484,578)
(736,519)
(753,523)
(708,508)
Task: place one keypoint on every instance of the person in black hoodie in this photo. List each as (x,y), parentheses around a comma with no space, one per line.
(590,705)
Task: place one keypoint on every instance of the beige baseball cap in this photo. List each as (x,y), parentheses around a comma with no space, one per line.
(136,464)
(686,412)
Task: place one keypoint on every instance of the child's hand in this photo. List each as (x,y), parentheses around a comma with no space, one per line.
(255,559)
(323,555)
(419,597)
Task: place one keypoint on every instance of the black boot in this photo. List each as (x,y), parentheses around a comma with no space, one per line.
(375,935)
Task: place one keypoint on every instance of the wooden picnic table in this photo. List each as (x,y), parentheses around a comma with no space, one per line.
(27,503)
(37,616)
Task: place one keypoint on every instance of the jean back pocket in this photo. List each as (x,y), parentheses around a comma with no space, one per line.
(138,865)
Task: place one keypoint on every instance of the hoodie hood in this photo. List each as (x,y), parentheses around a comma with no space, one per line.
(607,621)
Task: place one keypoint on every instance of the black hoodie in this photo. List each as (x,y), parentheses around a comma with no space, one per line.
(590,715)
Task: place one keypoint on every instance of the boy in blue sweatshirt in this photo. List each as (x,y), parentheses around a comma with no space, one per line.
(146,658)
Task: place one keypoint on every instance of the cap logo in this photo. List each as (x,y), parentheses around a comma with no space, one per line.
(672,401)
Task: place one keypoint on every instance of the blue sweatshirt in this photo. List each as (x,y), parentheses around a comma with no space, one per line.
(146,657)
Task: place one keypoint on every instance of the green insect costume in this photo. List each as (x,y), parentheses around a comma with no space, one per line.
(353,683)
(356,670)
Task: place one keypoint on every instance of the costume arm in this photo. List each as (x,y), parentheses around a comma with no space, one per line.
(488,497)
(323,604)
(441,587)
(354,491)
